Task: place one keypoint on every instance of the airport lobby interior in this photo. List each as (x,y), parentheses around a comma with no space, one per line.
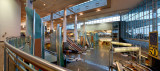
(79,35)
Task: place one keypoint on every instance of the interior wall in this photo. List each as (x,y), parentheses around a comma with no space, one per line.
(10,18)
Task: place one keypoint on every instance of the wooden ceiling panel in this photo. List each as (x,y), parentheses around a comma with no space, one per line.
(53,5)
(50,6)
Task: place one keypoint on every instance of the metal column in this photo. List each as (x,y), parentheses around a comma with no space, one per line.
(83,27)
(84,40)
(52,27)
(64,26)
(75,29)
(42,39)
(53,35)
(60,58)
(33,35)
(57,44)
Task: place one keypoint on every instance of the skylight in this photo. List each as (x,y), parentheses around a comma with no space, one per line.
(88,5)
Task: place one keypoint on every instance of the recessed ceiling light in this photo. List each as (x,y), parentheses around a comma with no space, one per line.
(61,18)
(70,16)
(97,10)
(44,4)
(80,14)
(23,26)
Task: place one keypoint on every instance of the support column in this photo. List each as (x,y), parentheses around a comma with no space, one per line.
(75,29)
(33,34)
(29,4)
(83,27)
(52,27)
(60,58)
(84,37)
(53,35)
(43,39)
(65,29)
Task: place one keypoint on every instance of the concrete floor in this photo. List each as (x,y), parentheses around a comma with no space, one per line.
(95,60)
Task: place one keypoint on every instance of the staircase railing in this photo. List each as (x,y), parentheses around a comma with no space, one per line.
(75,43)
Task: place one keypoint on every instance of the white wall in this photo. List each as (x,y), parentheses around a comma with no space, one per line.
(10,18)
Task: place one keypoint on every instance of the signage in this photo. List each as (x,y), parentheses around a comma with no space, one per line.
(153,44)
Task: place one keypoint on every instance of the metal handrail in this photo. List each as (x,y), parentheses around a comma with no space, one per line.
(51,52)
(36,61)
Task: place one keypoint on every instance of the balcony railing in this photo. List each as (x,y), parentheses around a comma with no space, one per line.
(22,60)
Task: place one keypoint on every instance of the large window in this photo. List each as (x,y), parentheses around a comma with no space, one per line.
(141,20)
(96,21)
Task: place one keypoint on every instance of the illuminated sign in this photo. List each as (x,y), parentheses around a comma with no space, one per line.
(153,44)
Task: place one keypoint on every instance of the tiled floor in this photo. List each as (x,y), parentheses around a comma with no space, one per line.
(95,60)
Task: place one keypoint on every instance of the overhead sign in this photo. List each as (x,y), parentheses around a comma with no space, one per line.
(153,44)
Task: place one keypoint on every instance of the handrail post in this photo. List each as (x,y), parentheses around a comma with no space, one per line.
(5,59)
(8,61)
(16,63)
(139,55)
(42,39)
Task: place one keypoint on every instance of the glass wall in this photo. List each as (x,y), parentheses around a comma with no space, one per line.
(137,23)
(96,21)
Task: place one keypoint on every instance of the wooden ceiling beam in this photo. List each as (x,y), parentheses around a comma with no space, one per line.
(71,11)
(59,15)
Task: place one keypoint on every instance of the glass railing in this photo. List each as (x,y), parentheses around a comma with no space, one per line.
(17,56)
